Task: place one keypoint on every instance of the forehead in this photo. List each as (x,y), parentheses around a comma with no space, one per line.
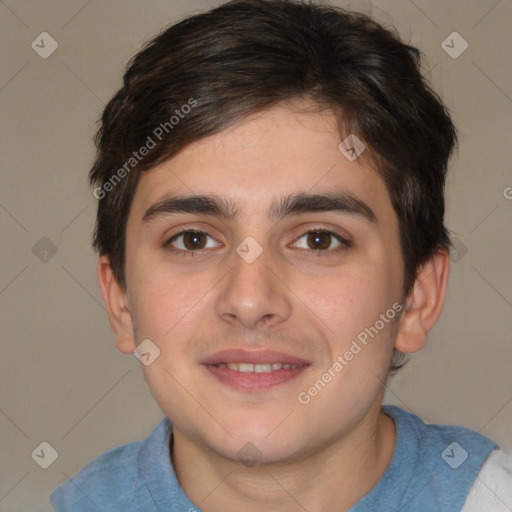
(269,155)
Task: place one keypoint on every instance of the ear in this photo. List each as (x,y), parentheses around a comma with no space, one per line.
(116,302)
(424,304)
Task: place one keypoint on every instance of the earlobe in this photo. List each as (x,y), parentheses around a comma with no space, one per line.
(118,311)
(424,303)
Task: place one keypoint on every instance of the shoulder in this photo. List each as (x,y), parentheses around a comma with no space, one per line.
(453,444)
(492,488)
(112,479)
(443,461)
(111,474)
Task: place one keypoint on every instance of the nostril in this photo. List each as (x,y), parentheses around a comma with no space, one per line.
(267,318)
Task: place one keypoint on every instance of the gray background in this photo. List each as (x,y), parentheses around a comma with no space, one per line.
(62,380)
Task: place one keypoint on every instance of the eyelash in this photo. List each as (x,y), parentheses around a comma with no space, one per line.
(345,244)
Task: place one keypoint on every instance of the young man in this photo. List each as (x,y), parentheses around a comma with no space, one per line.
(270,226)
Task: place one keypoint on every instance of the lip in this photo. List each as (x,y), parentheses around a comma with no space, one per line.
(253,382)
(253,357)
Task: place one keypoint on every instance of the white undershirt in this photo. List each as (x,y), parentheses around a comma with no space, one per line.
(492,489)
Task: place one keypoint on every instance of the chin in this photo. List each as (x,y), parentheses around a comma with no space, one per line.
(258,444)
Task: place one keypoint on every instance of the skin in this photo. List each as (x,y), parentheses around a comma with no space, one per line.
(293,298)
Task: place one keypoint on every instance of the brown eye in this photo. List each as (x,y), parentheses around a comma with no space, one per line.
(321,241)
(192,240)
(189,241)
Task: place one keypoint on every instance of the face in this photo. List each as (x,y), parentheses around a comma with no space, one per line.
(254,294)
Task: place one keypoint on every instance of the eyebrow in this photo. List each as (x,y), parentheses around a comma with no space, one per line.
(293,204)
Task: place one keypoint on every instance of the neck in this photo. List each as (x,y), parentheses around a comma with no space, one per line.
(333,478)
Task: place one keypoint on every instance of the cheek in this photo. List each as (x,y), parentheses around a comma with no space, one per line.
(167,303)
(348,302)
(169,310)
(357,316)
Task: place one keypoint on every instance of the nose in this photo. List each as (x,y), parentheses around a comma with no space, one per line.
(254,295)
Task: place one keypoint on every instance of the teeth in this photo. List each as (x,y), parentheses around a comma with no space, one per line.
(262,368)
(258,368)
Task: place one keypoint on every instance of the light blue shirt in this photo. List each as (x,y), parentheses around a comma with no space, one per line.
(432,469)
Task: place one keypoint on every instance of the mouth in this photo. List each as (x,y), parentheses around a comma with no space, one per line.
(254,371)
(258,368)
